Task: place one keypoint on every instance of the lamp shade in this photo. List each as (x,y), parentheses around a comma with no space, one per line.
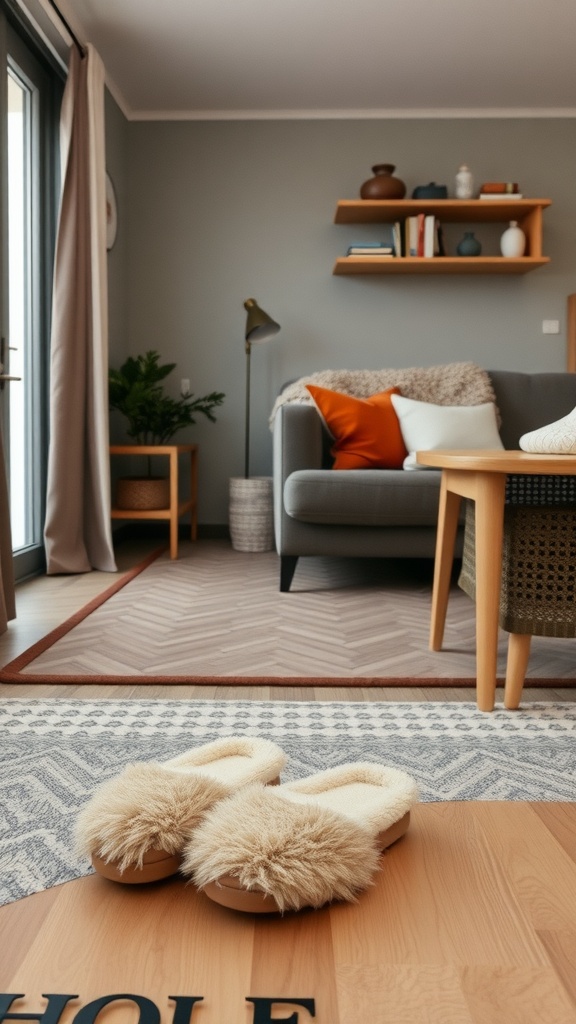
(259,326)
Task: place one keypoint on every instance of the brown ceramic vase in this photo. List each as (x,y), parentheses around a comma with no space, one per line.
(383,185)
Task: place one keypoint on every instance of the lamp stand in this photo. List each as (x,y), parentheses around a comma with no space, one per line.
(247,423)
(251,510)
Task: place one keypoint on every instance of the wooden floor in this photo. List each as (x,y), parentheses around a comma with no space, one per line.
(472,921)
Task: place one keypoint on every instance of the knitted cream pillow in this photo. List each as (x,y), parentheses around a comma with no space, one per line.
(558,438)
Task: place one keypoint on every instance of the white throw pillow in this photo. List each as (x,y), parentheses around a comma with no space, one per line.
(427,427)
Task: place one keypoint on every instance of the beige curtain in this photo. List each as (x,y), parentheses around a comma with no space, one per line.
(77,531)
(7,602)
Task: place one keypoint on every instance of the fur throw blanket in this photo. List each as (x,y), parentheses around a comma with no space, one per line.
(452,384)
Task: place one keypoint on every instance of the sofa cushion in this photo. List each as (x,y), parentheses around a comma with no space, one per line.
(365,431)
(527,401)
(363,497)
(426,426)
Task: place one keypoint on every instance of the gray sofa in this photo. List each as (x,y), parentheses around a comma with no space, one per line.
(380,513)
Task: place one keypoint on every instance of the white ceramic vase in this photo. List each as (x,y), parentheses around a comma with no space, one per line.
(464,183)
(513,241)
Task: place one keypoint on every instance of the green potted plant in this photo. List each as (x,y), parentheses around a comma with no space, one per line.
(137,391)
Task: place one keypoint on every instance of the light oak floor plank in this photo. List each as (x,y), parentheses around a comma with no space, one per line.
(454,930)
(471,920)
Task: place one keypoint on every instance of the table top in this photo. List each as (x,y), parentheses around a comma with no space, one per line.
(151,449)
(496,460)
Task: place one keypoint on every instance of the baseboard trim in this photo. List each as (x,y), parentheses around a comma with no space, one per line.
(205,531)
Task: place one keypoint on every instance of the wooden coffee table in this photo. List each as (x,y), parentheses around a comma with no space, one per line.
(480,475)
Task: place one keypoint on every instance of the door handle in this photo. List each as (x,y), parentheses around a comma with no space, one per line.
(5,377)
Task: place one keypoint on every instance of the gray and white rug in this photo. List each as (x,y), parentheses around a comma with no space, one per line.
(54,753)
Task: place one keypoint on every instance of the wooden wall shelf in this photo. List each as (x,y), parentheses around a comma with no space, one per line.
(527,212)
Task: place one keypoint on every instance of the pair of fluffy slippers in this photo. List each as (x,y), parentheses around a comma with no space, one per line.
(212,814)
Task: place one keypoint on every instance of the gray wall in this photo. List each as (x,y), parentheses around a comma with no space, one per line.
(214,212)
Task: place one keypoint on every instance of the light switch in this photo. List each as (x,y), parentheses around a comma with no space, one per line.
(550,327)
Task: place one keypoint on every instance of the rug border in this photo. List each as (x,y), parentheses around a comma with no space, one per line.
(12,671)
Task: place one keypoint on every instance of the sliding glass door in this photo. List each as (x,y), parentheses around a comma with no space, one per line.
(28,189)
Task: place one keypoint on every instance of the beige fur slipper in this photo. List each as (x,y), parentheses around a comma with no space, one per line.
(136,825)
(302,844)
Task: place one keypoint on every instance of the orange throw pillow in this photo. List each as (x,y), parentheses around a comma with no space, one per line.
(366,431)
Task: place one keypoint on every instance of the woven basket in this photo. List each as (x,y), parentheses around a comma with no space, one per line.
(251,513)
(143,494)
(538,569)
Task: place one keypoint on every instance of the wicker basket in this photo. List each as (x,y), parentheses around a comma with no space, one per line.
(538,569)
(143,494)
(251,513)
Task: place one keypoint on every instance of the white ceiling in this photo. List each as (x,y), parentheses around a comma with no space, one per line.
(331,58)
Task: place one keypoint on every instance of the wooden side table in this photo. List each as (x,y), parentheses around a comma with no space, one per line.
(176,508)
(480,475)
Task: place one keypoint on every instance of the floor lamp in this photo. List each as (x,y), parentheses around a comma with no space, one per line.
(251,498)
(259,328)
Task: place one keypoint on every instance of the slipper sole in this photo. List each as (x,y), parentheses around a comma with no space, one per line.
(227,892)
(157,865)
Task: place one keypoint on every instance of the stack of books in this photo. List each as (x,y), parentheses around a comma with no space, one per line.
(500,190)
(370,249)
(420,235)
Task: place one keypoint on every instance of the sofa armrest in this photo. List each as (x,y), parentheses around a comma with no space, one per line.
(297,445)
(297,439)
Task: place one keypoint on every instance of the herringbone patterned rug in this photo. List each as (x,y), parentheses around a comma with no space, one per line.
(54,753)
(216,614)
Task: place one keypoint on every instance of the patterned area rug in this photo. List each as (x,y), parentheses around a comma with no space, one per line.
(215,616)
(54,753)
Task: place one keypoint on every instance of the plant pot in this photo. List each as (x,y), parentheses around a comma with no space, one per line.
(142,494)
(251,513)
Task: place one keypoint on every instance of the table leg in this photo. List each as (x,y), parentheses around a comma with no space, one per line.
(173,504)
(516,666)
(448,509)
(489,496)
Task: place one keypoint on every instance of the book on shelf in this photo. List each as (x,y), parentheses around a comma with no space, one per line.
(421,226)
(397,236)
(501,195)
(429,236)
(370,250)
(499,187)
(411,236)
(439,248)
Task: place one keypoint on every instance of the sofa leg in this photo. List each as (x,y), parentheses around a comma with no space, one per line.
(287,570)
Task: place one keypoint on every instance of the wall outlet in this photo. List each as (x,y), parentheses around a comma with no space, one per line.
(185,386)
(550,327)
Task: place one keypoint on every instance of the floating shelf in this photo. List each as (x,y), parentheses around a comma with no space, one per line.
(527,212)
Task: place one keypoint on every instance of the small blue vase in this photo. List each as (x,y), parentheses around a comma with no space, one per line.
(469,245)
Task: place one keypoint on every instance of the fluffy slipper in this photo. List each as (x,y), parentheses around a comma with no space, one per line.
(136,825)
(302,844)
